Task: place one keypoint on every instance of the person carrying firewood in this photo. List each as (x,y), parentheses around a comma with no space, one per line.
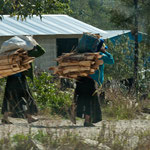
(18,101)
(86,100)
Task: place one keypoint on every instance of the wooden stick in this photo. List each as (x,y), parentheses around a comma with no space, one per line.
(14,61)
(79,63)
(28,60)
(74,68)
(8,66)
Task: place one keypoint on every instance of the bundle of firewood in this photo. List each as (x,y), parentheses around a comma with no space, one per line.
(72,65)
(14,61)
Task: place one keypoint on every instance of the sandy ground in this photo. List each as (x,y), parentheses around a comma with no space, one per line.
(60,126)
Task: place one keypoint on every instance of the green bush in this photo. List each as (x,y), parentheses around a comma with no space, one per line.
(2,88)
(47,93)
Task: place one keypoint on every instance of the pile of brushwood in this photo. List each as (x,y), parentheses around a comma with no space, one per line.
(14,61)
(72,65)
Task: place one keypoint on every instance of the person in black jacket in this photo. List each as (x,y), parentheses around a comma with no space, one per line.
(86,98)
(18,100)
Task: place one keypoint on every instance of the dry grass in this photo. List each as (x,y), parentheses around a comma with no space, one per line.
(121,105)
(108,137)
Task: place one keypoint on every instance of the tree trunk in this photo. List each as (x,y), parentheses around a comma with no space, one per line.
(136,52)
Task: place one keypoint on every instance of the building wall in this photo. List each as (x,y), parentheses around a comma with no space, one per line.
(48,59)
(49,44)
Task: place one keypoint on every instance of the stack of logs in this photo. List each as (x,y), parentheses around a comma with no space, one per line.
(72,65)
(14,61)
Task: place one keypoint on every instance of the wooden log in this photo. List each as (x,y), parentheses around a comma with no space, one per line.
(16,58)
(78,63)
(28,60)
(74,68)
(92,71)
(63,56)
(25,66)
(11,53)
(14,67)
(69,69)
(1,64)
(69,55)
(100,56)
(9,72)
(72,65)
(2,57)
(9,59)
(52,68)
(15,61)
(79,54)
(6,61)
(5,67)
(97,64)
(84,73)
(72,76)
(77,57)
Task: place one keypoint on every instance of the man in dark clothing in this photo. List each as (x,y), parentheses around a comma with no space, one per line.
(18,100)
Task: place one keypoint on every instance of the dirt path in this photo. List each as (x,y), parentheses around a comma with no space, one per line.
(61,126)
(21,126)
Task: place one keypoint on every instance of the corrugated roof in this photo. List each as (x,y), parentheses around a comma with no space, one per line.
(113,33)
(49,25)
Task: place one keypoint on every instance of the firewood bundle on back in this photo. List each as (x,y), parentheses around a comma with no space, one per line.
(72,65)
(14,61)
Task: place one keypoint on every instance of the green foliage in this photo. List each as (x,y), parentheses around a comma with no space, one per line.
(122,52)
(92,12)
(123,15)
(2,83)
(144,65)
(2,88)
(23,8)
(47,93)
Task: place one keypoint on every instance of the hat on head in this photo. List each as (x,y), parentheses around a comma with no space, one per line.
(100,44)
(106,47)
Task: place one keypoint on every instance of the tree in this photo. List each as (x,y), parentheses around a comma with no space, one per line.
(122,51)
(136,51)
(132,15)
(93,12)
(24,8)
